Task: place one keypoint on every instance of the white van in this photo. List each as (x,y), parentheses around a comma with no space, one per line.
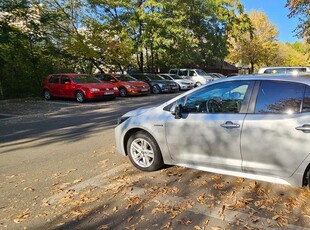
(283,69)
(198,76)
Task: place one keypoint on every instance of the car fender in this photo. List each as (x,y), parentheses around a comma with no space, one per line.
(299,172)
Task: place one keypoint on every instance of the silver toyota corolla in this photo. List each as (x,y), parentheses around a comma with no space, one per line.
(256,127)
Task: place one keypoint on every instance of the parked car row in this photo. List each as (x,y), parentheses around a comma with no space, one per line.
(83,87)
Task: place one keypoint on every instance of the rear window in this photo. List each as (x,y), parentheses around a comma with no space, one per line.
(54,79)
(279,97)
(275,70)
(85,79)
(294,70)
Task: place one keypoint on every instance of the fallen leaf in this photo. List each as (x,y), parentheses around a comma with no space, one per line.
(20,218)
(168,225)
(185,222)
(78,180)
(28,189)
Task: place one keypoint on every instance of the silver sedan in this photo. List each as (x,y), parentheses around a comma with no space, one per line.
(256,127)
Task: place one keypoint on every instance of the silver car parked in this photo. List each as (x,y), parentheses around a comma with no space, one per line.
(256,127)
(184,84)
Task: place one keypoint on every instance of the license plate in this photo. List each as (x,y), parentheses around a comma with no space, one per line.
(108,93)
(143,90)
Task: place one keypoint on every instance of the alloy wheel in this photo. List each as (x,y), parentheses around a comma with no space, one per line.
(142,152)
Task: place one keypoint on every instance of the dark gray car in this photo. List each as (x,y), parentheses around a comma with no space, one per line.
(157,83)
(256,127)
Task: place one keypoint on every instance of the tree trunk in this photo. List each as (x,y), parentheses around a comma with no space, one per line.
(1,91)
(252,67)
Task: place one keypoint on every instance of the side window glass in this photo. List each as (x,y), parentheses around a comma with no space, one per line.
(173,71)
(191,73)
(226,97)
(64,79)
(274,71)
(295,70)
(279,97)
(54,80)
(183,72)
(306,101)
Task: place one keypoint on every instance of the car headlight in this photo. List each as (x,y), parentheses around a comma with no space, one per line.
(115,88)
(121,120)
(93,90)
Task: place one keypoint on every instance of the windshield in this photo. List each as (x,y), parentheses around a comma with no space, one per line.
(125,78)
(202,73)
(85,79)
(174,76)
(154,77)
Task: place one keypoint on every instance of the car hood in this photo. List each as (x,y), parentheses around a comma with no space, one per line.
(183,80)
(135,83)
(138,111)
(162,81)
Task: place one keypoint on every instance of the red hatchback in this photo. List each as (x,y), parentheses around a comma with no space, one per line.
(126,84)
(78,86)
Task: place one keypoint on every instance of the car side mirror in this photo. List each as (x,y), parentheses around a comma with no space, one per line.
(67,83)
(112,80)
(176,110)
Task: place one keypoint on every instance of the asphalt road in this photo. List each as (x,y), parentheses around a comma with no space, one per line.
(59,170)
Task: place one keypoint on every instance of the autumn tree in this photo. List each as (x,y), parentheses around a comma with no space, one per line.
(301,9)
(260,47)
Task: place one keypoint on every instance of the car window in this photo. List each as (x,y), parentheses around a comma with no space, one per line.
(174,76)
(154,77)
(124,77)
(295,70)
(139,77)
(85,79)
(165,77)
(64,79)
(183,72)
(226,97)
(306,101)
(275,70)
(279,97)
(191,73)
(200,72)
(173,71)
(107,77)
(54,79)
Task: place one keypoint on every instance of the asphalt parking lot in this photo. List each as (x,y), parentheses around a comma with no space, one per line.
(59,170)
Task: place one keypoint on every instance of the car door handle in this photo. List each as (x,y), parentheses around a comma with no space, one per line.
(230,125)
(303,128)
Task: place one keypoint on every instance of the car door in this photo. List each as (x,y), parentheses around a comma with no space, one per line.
(275,140)
(65,87)
(54,85)
(208,134)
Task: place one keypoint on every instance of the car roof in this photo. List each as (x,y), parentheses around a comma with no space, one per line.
(301,78)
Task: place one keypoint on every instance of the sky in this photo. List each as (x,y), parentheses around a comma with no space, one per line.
(277,14)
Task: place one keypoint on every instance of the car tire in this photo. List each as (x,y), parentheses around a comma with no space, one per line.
(156,89)
(47,95)
(123,92)
(79,96)
(144,152)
